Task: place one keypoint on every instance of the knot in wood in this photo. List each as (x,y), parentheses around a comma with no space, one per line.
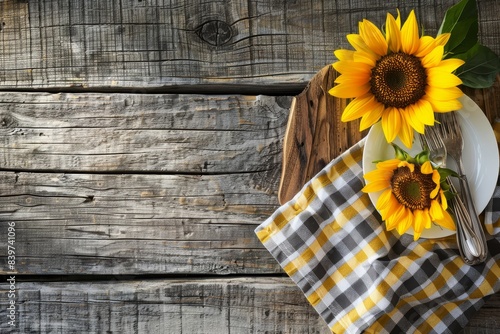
(7,121)
(215,32)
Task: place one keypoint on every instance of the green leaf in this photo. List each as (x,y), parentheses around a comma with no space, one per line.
(460,21)
(480,69)
(445,172)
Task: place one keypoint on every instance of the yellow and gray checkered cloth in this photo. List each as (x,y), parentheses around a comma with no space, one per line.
(360,278)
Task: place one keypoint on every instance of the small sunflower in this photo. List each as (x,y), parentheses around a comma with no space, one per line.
(398,77)
(413,193)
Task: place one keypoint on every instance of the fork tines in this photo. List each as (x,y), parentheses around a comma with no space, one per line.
(447,124)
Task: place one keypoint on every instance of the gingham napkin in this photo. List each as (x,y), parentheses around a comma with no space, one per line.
(360,278)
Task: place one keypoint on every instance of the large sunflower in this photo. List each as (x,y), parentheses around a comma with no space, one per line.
(412,196)
(400,78)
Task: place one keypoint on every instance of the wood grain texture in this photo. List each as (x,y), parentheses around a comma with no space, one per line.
(135,224)
(218,305)
(177,43)
(141,132)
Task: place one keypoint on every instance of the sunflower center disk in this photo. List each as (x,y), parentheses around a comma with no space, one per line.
(398,80)
(412,190)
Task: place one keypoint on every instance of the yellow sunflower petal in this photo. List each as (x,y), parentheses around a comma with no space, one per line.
(436,178)
(398,20)
(359,44)
(343,54)
(390,164)
(412,119)
(410,166)
(410,41)
(376,186)
(384,199)
(428,220)
(373,38)
(433,58)
(441,79)
(418,222)
(443,94)
(436,211)
(358,107)
(349,90)
(422,220)
(390,209)
(350,67)
(378,175)
(371,117)
(396,220)
(392,33)
(409,219)
(426,168)
(424,112)
(447,221)
(444,201)
(359,79)
(443,39)
(402,216)
(450,65)
(444,106)
(391,123)
(427,44)
(397,215)
(361,57)
(434,192)
(390,224)
(406,133)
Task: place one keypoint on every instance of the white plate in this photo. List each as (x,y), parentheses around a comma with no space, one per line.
(480,157)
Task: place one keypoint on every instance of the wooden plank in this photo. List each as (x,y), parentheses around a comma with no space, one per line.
(211,305)
(219,305)
(487,320)
(136,224)
(141,133)
(263,46)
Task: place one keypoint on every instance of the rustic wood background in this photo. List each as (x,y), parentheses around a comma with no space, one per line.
(142,144)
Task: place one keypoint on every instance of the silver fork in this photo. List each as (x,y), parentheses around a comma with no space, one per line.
(465,235)
(469,229)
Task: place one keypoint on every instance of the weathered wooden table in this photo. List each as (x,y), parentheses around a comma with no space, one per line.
(132,187)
